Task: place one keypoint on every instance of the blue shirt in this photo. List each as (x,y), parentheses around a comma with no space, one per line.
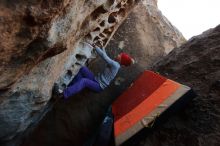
(104,78)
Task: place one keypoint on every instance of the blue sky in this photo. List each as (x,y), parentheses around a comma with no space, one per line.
(191,17)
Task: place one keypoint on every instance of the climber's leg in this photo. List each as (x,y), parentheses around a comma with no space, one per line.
(84,72)
(81,84)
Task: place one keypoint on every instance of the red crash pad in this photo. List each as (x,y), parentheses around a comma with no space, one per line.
(149,96)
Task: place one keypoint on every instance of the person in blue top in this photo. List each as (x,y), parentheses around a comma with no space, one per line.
(86,79)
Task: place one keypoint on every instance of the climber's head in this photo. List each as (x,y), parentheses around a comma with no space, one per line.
(125,59)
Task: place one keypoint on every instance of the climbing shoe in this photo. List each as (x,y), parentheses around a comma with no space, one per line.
(57,93)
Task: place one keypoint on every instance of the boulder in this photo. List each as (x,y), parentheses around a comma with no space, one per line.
(196,64)
(34,31)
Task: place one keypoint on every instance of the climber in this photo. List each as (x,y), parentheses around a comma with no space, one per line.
(86,79)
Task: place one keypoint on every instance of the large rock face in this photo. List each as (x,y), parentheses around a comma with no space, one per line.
(32,31)
(197,65)
(146,34)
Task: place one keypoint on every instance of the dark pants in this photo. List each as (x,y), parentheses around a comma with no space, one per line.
(84,79)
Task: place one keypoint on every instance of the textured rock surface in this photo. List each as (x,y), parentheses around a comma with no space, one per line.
(33,31)
(196,64)
(147,32)
(165,34)
(70,123)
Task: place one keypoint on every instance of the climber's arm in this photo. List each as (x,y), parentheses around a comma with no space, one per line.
(104,56)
